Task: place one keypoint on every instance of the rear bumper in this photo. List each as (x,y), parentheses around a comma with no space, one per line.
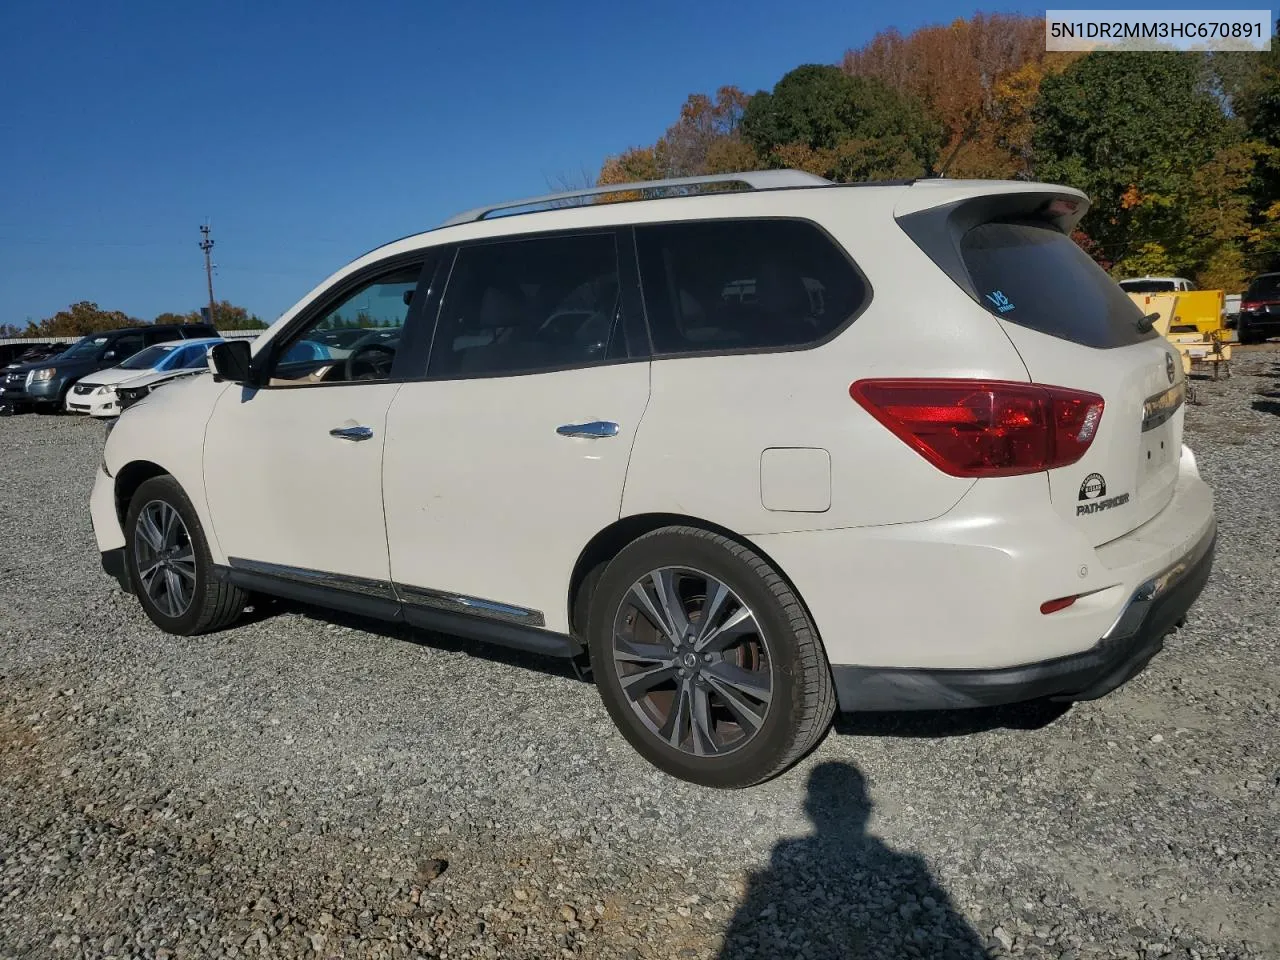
(1156,608)
(1268,323)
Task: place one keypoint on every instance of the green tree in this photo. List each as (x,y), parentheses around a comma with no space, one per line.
(1255,96)
(1131,130)
(226,316)
(839,126)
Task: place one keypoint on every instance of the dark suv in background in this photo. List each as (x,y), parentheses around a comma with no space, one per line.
(44,383)
(1260,309)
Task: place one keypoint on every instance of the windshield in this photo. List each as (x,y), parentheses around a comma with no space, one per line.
(1033,275)
(148,358)
(86,347)
(1147,286)
(1264,286)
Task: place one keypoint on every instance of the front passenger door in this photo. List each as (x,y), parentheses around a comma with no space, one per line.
(293,467)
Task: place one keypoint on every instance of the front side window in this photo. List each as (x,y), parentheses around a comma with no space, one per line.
(520,306)
(726,285)
(355,338)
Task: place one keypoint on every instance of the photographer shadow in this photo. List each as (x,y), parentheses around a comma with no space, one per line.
(841,893)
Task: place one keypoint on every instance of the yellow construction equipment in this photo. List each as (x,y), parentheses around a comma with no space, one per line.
(1194,329)
(1206,310)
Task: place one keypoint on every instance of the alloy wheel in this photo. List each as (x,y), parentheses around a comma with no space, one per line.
(693,661)
(165,558)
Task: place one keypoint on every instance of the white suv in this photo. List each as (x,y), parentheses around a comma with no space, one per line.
(748,454)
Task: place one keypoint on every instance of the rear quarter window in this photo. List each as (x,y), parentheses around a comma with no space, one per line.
(1035,276)
(744,285)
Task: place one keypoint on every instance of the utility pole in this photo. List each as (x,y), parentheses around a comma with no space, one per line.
(206,244)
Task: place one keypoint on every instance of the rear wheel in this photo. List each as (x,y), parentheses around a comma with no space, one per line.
(706,659)
(169,565)
(1249,336)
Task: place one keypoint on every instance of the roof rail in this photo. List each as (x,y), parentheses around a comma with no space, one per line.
(752,180)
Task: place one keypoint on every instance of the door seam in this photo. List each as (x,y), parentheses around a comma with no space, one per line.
(382,490)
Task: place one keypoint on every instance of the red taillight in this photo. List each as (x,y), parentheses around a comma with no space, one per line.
(1249,305)
(985,428)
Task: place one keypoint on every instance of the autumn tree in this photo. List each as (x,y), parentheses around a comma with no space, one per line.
(706,139)
(228,316)
(976,77)
(82,318)
(820,119)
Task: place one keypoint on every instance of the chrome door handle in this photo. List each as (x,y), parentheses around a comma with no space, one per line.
(352,433)
(593,430)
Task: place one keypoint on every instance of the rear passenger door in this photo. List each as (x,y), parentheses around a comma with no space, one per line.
(511,454)
(750,423)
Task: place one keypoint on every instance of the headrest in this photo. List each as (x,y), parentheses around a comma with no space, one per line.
(501,308)
(780,290)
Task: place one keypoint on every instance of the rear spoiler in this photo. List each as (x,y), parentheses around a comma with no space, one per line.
(937,230)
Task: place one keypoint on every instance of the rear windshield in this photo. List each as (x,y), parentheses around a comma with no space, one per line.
(1147,286)
(1035,276)
(1267,286)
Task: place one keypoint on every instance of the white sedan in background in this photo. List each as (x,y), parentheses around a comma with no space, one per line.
(98,394)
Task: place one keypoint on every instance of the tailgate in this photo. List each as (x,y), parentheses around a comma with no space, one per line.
(1129,472)
(1073,327)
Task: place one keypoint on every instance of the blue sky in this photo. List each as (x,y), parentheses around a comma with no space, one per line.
(309,132)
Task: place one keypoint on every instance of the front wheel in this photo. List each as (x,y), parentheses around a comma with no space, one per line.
(706,659)
(169,565)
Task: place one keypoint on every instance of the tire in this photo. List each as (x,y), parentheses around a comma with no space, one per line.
(1249,337)
(784,651)
(213,604)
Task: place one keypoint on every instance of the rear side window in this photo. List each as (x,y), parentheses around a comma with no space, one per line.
(1035,276)
(727,285)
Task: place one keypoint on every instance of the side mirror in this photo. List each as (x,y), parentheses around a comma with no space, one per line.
(229,360)
(109,355)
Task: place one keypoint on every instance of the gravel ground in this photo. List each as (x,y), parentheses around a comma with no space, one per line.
(310,785)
